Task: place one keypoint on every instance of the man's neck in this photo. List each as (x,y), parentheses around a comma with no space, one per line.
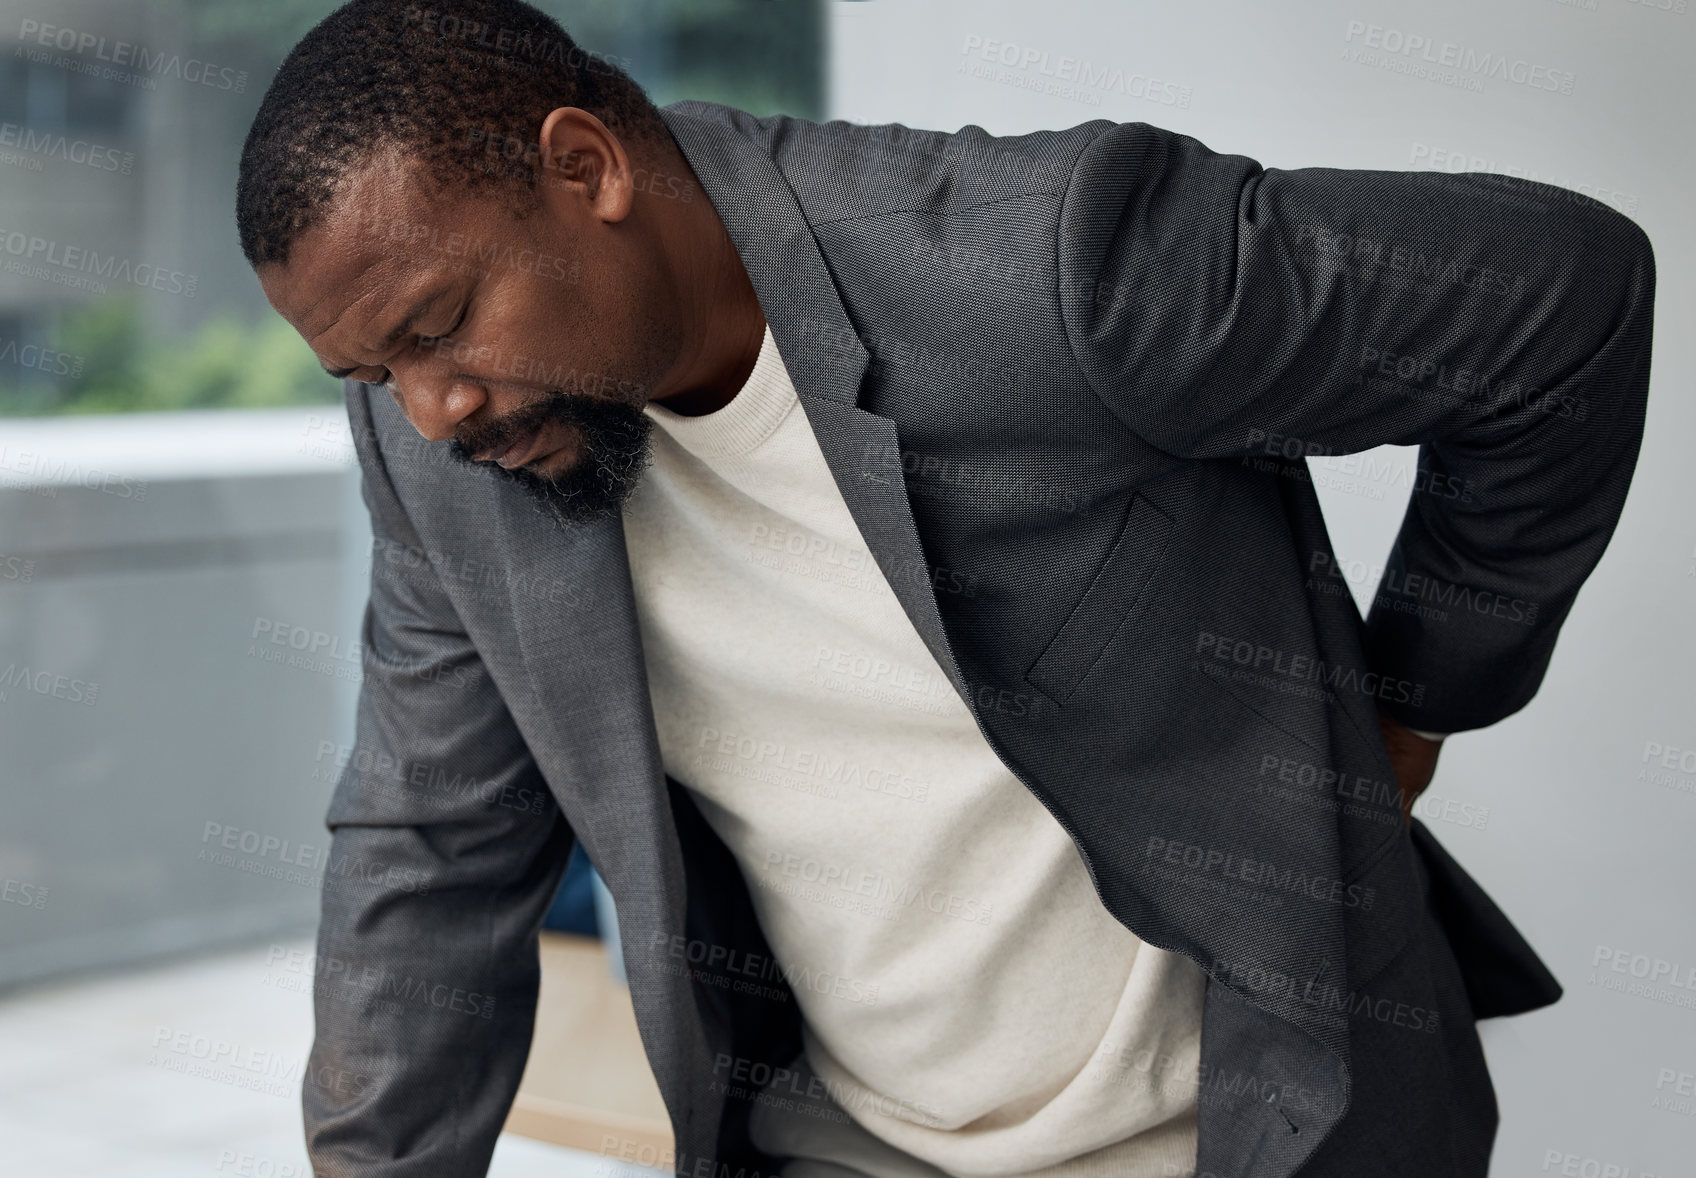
(723,313)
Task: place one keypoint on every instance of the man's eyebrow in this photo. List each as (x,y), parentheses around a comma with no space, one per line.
(406,326)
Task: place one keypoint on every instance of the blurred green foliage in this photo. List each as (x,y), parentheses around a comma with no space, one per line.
(118,366)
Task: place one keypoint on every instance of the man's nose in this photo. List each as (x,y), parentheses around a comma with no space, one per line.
(434,398)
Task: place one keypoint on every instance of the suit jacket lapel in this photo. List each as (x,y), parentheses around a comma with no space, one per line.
(824,356)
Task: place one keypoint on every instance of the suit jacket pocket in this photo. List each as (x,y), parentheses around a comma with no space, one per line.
(1111,599)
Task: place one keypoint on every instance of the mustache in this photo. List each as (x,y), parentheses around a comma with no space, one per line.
(495,436)
(594,416)
(613,450)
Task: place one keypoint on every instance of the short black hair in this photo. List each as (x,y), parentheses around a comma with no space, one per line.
(462,86)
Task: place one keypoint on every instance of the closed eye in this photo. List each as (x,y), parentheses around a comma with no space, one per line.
(431,340)
(423,341)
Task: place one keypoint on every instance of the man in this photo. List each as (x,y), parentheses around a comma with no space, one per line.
(957,690)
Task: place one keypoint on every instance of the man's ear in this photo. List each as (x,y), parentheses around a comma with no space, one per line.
(582,161)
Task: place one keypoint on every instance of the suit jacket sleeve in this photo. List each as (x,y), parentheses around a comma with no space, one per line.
(1223,310)
(446,851)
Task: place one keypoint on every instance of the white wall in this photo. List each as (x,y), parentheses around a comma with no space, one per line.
(1586,847)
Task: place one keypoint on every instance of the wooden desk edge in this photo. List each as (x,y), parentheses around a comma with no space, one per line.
(578,1127)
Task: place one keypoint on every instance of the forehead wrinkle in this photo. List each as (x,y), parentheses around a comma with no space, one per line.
(367,282)
(350,308)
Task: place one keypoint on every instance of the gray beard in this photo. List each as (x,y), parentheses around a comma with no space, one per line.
(613,451)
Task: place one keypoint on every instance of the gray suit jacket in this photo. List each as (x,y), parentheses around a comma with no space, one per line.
(1065,382)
